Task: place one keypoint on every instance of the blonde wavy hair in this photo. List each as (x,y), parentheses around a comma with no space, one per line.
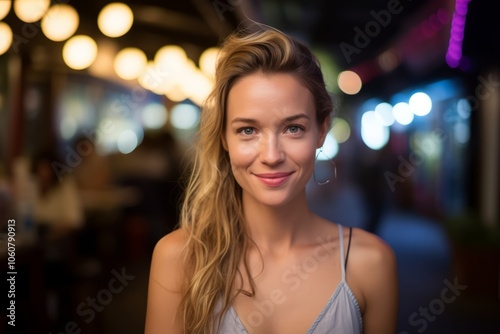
(212,212)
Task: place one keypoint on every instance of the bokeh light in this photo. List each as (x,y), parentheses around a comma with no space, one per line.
(130,63)
(420,104)
(341,130)
(402,113)
(349,82)
(208,60)
(383,112)
(329,149)
(117,134)
(154,115)
(171,60)
(176,94)
(461,132)
(115,19)
(373,134)
(185,116)
(60,22)
(31,10)
(127,141)
(5,37)
(79,52)
(4,8)
(68,127)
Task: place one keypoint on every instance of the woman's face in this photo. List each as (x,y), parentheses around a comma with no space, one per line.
(271,136)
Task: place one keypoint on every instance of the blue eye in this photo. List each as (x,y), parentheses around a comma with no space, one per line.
(294,129)
(246,131)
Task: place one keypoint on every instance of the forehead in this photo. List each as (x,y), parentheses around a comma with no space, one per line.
(261,95)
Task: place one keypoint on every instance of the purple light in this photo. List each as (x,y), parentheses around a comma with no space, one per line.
(454,53)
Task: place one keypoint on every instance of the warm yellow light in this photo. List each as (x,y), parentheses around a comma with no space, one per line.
(5,37)
(195,85)
(170,60)
(4,8)
(79,52)
(153,79)
(176,94)
(102,67)
(341,130)
(31,10)
(60,22)
(115,19)
(130,63)
(349,82)
(207,61)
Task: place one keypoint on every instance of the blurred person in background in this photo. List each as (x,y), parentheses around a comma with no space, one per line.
(57,206)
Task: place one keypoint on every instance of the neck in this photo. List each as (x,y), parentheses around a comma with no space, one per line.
(277,229)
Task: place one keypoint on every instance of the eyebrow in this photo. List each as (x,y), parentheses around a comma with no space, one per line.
(253,121)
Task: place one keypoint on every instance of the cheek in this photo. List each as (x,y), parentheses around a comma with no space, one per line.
(242,154)
(303,153)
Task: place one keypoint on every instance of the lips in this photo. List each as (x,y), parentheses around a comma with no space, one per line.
(274,179)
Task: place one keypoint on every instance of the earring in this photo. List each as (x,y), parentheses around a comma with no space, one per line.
(322,183)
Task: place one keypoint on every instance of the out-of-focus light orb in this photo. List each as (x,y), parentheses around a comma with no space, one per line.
(208,60)
(115,19)
(153,79)
(373,134)
(383,112)
(68,127)
(388,60)
(329,150)
(60,22)
(461,132)
(176,94)
(118,134)
(185,116)
(195,85)
(171,61)
(129,63)
(463,108)
(349,82)
(341,130)
(402,113)
(127,141)
(154,116)
(31,10)
(79,52)
(420,104)
(4,8)
(5,37)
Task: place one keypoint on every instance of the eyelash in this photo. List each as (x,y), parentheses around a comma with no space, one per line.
(300,127)
(241,130)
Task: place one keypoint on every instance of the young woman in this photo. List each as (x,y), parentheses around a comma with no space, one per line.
(249,256)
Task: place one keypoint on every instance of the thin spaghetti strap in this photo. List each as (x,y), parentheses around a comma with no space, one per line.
(341,251)
(348,247)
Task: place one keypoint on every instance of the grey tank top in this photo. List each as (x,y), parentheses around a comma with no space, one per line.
(340,315)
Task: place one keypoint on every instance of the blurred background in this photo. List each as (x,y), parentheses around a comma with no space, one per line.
(100,103)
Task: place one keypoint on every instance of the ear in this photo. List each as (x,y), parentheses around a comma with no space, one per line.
(323,130)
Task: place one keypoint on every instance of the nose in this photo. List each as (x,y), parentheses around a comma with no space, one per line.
(271,151)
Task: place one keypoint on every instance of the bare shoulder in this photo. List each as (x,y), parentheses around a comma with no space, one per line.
(370,250)
(167,260)
(165,285)
(372,268)
(171,244)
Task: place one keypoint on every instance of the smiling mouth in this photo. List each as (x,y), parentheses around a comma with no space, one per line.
(274,179)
